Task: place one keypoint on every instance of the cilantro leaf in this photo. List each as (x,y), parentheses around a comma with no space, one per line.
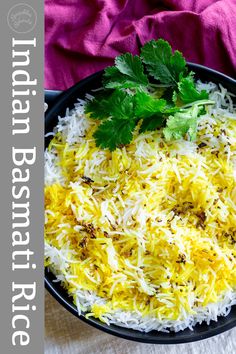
(121,105)
(118,105)
(128,72)
(152,123)
(161,63)
(153,111)
(150,109)
(182,123)
(98,108)
(112,78)
(146,105)
(129,97)
(131,66)
(114,133)
(188,92)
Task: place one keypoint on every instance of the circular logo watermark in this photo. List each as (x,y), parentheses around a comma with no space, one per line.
(22,18)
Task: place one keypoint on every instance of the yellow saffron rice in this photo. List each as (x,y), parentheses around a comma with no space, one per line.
(145,236)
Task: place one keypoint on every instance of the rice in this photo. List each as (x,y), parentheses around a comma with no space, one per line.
(144,237)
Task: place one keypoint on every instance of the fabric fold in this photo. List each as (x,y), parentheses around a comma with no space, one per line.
(82,37)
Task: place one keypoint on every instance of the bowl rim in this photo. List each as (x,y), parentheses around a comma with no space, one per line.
(58,100)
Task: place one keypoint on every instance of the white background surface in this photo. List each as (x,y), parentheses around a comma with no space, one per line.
(65,334)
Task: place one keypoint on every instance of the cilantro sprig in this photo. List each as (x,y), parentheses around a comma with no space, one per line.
(161,63)
(128,72)
(154,88)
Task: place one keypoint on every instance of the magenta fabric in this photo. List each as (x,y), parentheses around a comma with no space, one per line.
(84,36)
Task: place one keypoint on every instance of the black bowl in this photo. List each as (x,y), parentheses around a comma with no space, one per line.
(58,102)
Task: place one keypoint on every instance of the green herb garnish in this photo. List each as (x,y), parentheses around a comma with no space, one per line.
(155,88)
(161,63)
(182,123)
(187,91)
(128,72)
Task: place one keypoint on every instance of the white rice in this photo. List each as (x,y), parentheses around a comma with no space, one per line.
(73,127)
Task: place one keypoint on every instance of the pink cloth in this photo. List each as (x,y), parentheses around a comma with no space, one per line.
(84,36)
